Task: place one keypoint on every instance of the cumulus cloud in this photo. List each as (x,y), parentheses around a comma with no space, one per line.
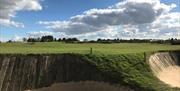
(9,8)
(134,17)
(9,23)
(169,21)
(38,34)
(17,38)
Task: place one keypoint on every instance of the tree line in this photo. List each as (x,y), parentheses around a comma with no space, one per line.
(50,38)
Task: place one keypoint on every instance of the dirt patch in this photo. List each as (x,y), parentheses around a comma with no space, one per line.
(83,86)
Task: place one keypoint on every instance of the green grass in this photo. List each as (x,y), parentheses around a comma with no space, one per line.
(56,47)
(129,70)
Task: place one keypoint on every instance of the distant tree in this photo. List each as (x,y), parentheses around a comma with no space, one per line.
(175,41)
(47,38)
(85,40)
(9,41)
(75,39)
(59,40)
(71,40)
(38,39)
(64,39)
(31,40)
(172,41)
(24,39)
(99,40)
(55,39)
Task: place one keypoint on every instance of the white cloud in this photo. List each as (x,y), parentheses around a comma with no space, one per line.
(29,5)
(3,39)
(136,18)
(9,8)
(169,21)
(17,38)
(9,23)
(39,34)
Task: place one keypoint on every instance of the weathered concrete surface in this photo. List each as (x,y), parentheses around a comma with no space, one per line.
(165,65)
(20,72)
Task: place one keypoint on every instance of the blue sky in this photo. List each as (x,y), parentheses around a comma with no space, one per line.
(49,11)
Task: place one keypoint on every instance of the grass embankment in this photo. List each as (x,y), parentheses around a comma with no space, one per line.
(84,48)
(125,63)
(130,70)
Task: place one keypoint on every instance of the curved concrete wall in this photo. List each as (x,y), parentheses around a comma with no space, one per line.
(165,65)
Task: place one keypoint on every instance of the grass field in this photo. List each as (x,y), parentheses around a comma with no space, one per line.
(56,47)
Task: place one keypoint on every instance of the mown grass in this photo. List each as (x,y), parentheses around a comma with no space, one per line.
(84,48)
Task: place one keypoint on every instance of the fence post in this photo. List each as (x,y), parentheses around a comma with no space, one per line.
(91,50)
(145,57)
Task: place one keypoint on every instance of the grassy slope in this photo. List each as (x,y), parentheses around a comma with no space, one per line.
(55,47)
(127,67)
(130,70)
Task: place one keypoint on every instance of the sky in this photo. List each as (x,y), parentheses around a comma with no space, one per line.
(89,19)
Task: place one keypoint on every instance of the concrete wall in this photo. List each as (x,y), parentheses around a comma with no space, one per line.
(20,72)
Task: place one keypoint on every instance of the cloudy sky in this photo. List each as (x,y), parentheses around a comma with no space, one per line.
(90,19)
